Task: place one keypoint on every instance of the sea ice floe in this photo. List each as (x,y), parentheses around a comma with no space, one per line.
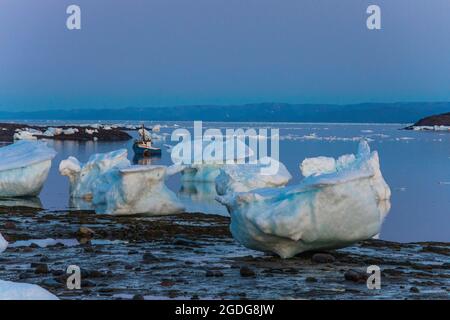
(24,167)
(246,177)
(429,128)
(23,291)
(326,210)
(136,189)
(114,186)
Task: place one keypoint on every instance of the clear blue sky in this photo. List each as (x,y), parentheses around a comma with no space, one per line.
(173,52)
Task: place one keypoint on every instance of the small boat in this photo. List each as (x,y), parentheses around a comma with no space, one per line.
(143,145)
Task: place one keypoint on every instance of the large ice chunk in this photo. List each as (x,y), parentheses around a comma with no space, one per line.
(24,167)
(83,178)
(136,189)
(3,243)
(23,291)
(326,210)
(246,177)
(112,185)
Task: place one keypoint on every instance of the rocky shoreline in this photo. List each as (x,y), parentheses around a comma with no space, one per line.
(440,122)
(66,132)
(193,256)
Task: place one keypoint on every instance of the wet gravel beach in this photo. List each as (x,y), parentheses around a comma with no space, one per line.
(193,256)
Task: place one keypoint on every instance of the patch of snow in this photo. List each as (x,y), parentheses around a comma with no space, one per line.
(43,243)
(324,211)
(431,128)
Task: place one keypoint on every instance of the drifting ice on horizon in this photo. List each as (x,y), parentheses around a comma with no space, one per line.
(332,207)
(24,167)
(114,186)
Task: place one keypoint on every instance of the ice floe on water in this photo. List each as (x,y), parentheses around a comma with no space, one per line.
(23,291)
(112,185)
(24,167)
(431,128)
(328,209)
(136,189)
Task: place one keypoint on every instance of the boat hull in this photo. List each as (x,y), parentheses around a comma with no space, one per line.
(141,151)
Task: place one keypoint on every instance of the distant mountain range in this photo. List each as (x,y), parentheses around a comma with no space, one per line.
(268,112)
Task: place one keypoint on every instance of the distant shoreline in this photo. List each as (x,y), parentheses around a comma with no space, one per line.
(263,112)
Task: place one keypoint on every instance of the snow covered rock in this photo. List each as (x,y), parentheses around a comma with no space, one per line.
(24,167)
(114,186)
(246,177)
(325,211)
(23,291)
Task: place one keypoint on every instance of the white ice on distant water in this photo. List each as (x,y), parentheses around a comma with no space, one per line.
(431,128)
(24,167)
(324,211)
(246,177)
(114,186)
(23,291)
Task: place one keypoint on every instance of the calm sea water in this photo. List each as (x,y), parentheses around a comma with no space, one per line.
(416,165)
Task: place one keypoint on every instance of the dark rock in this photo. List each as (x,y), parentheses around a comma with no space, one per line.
(323,258)
(51,283)
(355,276)
(85,232)
(214,273)
(414,290)
(41,268)
(9,225)
(87,283)
(149,258)
(184,242)
(311,279)
(246,272)
(138,297)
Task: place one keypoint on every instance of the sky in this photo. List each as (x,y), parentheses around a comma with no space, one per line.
(143,53)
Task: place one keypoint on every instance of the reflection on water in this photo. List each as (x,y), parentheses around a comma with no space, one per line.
(31,202)
(146,161)
(198,196)
(416,165)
